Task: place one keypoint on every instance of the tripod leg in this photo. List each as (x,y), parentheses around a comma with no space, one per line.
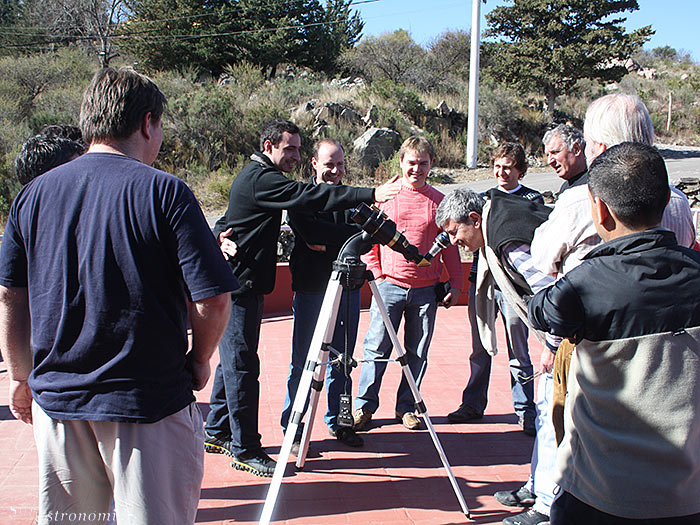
(315,393)
(323,334)
(420,405)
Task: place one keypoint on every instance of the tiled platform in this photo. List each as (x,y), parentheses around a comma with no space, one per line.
(397,478)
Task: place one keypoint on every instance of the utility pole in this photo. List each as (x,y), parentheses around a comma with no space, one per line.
(473,117)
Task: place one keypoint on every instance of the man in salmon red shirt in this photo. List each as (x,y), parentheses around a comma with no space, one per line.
(406,289)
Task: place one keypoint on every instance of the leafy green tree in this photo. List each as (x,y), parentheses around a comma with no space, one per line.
(548,45)
(337,29)
(208,36)
(16,36)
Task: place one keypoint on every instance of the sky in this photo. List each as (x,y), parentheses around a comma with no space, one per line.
(675,21)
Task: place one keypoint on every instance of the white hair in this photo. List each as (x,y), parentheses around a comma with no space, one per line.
(618,118)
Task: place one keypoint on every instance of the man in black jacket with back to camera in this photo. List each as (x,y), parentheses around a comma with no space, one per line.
(631,418)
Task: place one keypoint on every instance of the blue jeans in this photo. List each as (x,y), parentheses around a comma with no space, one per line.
(307,306)
(475,395)
(543,468)
(418,307)
(235,395)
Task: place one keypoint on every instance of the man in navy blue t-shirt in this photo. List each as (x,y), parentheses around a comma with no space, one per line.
(99,261)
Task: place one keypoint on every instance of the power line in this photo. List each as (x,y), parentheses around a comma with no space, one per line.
(197,15)
(157,38)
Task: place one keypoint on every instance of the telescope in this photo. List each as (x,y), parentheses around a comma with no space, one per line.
(382,230)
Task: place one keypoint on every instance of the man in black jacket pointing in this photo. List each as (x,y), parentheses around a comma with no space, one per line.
(248,235)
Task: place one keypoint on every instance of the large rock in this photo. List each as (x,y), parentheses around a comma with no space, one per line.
(376,145)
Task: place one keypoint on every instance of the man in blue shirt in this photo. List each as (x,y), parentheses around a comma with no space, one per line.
(100,259)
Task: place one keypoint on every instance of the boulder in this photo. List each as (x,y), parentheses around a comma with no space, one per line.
(376,145)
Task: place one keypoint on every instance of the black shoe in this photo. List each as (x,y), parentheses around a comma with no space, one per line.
(255,461)
(515,498)
(463,414)
(529,517)
(348,437)
(214,445)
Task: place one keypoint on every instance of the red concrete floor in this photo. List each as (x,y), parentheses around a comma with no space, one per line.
(397,478)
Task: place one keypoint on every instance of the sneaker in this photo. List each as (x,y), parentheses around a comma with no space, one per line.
(362,418)
(463,414)
(409,420)
(529,517)
(348,437)
(255,461)
(214,445)
(527,423)
(515,498)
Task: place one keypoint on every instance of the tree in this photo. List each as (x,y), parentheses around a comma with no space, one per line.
(551,44)
(393,56)
(208,36)
(339,31)
(448,60)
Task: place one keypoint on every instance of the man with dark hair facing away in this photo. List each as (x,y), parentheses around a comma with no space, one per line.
(99,260)
(632,415)
(248,234)
(42,153)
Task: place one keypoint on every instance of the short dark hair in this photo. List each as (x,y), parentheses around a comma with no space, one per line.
(319,143)
(631,178)
(115,103)
(66,131)
(514,152)
(273,131)
(41,153)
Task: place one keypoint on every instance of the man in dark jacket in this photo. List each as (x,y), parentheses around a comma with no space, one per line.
(632,425)
(318,237)
(248,235)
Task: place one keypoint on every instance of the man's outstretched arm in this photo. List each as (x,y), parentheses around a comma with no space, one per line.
(15,329)
(208,318)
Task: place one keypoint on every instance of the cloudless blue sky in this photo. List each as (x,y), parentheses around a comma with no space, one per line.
(676,22)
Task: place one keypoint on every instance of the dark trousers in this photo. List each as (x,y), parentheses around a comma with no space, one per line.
(235,395)
(568,510)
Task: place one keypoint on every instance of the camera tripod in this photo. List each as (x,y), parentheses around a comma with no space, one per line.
(348,273)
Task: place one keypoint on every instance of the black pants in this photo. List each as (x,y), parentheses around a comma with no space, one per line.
(568,510)
(235,395)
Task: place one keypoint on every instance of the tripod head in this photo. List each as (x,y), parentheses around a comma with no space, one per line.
(377,229)
(382,230)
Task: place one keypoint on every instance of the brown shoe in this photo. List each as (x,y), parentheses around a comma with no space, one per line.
(361,418)
(409,420)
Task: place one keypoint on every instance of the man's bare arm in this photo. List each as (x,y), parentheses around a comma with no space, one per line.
(15,329)
(209,318)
